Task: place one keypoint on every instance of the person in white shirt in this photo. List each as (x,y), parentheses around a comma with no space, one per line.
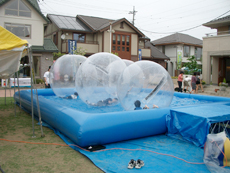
(186,83)
(47,78)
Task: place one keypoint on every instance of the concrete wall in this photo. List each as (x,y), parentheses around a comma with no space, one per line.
(223,30)
(215,69)
(214,46)
(36,22)
(46,61)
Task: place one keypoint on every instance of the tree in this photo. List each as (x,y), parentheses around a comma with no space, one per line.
(79,51)
(192,65)
(57,55)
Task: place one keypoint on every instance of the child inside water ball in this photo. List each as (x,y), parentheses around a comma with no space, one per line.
(105,102)
(137,104)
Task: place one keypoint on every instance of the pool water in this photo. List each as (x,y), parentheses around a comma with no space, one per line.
(81,106)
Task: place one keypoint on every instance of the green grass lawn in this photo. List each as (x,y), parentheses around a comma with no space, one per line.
(23,158)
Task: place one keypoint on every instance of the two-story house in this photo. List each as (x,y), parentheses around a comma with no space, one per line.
(216,52)
(94,34)
(24,19)
(179,47)
(156,55)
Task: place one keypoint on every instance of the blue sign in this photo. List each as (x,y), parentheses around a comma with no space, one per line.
(139,55)
(72,45)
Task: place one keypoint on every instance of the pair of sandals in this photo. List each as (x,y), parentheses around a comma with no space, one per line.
(137,164)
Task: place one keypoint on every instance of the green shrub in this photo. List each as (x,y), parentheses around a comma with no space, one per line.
(38,81)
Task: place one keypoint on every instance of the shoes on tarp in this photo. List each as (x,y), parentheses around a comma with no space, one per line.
(132,164)
(139,164)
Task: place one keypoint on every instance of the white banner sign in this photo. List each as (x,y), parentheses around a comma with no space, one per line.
(23,82)
(4,82)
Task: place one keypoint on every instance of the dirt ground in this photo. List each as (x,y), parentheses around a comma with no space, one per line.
(35,158)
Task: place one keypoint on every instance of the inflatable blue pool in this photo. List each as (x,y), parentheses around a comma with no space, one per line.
(88,126)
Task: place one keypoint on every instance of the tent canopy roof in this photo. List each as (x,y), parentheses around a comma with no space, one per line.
(9,41)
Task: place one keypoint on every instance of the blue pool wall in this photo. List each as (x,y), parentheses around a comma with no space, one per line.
(86,129)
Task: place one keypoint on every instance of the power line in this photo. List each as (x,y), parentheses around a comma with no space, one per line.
(184,29)
(190,14)
(87,6)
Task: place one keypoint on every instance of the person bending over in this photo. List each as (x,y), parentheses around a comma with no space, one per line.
(105,102)
(73,96)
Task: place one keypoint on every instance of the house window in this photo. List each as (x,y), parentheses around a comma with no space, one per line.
(114,39)
(121,43)
(121,25)
(198,53)
(37,67)
(19,30)
(163,49)
(118,39)
(55,40)
(17,8)
(186,51)
(79,37)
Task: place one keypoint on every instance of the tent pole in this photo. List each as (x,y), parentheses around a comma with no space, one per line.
(18,90)
(10,90)
(32,107)
(37,101)
(5,92)
(14,98)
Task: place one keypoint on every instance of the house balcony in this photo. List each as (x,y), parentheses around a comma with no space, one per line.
(146,52)
(90,47)
(217,43)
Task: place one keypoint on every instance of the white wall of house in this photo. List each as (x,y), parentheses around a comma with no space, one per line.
(36,22)
(99,39)
(89,37)
(107,41)
(126,28)
(134,44)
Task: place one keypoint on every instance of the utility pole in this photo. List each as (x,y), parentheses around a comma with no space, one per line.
(110,36)
(133,13)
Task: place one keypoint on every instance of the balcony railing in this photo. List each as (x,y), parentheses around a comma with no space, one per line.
(88,46)
(218,33)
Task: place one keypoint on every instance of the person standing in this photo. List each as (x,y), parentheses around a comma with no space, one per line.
(179,81)
(199,82)
(47,78)
(193,83)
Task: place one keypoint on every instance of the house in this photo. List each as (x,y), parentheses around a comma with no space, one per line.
(24,19)
(216,52)
(156,55)
(179,47)
(94,34)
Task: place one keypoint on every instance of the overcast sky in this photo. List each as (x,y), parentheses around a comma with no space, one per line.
(155,18)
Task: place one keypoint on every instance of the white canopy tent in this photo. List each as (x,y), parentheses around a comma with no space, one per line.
(12,49)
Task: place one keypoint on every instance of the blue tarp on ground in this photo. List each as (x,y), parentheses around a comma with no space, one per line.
(116,156)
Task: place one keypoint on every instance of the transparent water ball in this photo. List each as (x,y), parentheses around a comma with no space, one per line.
(97,78)
(128,62)
(147,82)
(63,73)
